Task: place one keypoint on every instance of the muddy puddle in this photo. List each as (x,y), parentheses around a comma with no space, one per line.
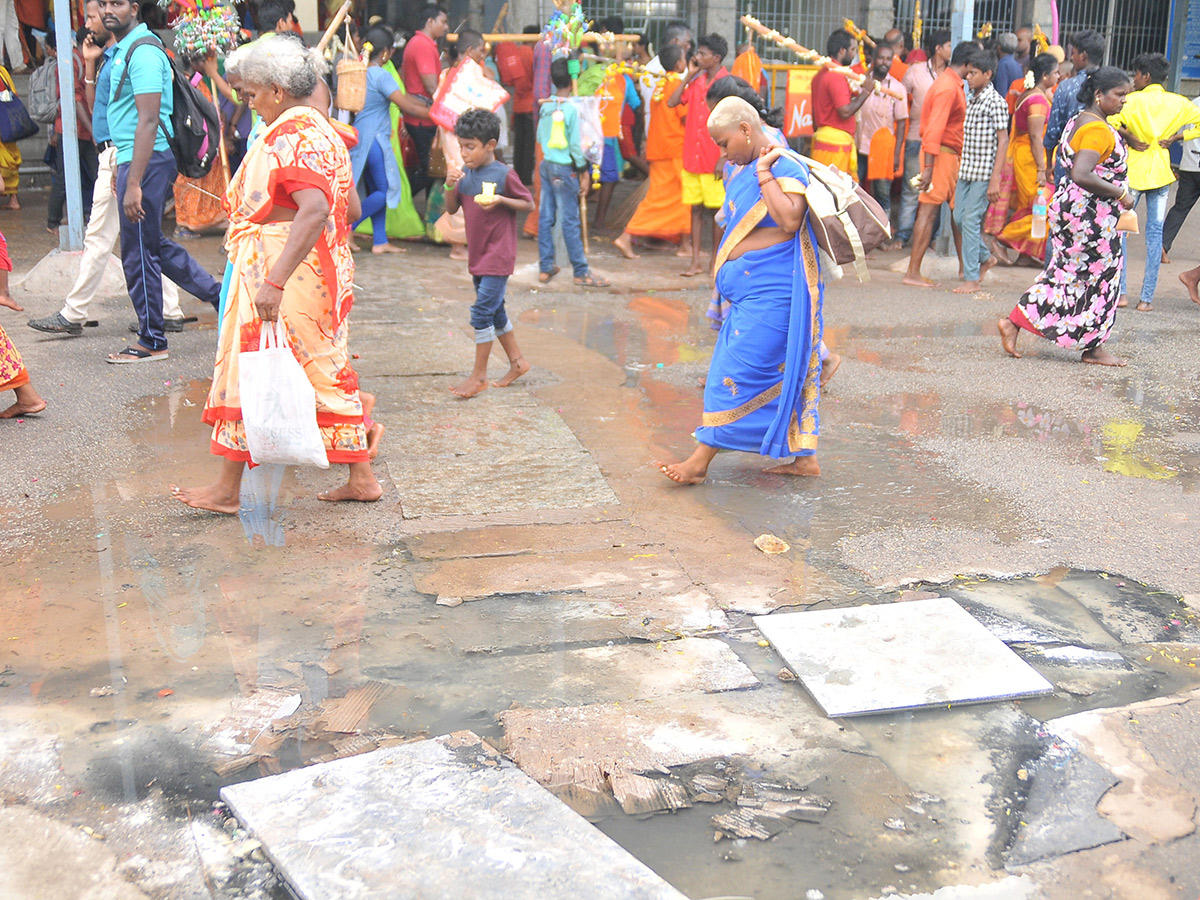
(163,652)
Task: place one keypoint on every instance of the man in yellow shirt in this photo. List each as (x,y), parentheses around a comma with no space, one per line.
(1153,119)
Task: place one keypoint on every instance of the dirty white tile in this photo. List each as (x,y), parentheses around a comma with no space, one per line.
(426,819)
(923,653)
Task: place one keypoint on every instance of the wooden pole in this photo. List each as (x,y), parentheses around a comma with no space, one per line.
(592,37)
(500,18)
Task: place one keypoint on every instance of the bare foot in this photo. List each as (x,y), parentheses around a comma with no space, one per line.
(29,406)
(469,388)
(893,244)
(987,266)
(7,301)
(380,249)
(11,203)
(367,492)
(1191,280)
(1101,357)
(998,250)
(805,466)
(624,243)
(1165,259)
(1143,306)
(702,381)
(919,281)
(368,402)
(374,436)
(684,252)
(1008,337)
(829,367)
(686,472)
(1122,302)
(516,368)
(459,252)
(969,287)
(693,270)
(213,498)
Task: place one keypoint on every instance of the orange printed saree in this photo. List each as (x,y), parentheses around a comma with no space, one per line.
(12,368)
(298,151)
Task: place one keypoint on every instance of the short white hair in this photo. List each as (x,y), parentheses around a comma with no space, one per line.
(731,112)
(277,60)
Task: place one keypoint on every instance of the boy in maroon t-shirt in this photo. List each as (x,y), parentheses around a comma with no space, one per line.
(490,195)
(703,189)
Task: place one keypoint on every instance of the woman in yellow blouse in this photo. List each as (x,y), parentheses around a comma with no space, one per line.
(1073,302)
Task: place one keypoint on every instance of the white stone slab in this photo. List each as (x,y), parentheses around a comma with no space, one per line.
(446,817)
(922,653)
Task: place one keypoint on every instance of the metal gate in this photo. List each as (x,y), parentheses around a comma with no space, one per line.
(646,17)
(1130,28)
(809,22)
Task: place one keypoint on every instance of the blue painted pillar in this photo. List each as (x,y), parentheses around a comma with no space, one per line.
(70,238)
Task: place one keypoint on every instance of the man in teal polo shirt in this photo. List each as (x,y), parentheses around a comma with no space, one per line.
(139,110)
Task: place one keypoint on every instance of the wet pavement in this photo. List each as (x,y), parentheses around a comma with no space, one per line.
(530,576)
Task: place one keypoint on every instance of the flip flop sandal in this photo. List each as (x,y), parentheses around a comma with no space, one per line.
(593,281)
(544,277)
(134,355)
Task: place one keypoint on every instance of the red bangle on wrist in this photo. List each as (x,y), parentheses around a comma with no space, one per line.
(278,287)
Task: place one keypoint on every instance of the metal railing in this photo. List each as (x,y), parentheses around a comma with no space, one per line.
(809,22)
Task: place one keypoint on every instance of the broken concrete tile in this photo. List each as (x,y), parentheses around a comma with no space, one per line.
(1150,804)
(348,714)
(638,794)
(783,801)
(1133,617)
(1060,812)
(250,716)
(872,659)
(422,819)
(750,823)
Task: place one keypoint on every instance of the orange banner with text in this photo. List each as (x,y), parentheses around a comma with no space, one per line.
(797,106)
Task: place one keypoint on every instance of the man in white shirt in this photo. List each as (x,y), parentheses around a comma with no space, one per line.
(1186,194)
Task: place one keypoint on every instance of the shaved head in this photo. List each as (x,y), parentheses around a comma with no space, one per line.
(732,112)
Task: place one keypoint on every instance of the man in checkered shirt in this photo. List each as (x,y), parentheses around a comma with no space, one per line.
(985,145)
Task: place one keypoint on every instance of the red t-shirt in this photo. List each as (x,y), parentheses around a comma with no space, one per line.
(829,91)
(421,57)
(700,151)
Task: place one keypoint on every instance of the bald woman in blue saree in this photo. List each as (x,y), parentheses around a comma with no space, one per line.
(763,383)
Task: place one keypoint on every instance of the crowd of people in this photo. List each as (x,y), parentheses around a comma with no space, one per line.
(1041,156)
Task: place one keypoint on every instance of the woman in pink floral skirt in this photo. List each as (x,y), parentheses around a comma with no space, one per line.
(1073,302)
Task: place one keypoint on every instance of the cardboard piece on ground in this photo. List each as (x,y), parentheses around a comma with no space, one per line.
(422,820)
(921,654)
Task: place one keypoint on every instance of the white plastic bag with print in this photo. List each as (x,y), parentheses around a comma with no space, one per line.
(279,405)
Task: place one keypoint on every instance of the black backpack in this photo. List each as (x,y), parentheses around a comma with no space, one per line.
(196,141)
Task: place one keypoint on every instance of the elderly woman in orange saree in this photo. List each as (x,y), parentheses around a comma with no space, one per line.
(289,252)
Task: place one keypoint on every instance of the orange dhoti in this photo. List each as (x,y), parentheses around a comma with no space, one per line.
(660,215)
(834,147)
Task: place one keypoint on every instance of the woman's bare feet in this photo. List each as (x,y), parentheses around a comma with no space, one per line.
(1191,280)
(1008,337)
(29,403)
(1101,357)
(998,251)
(1122,301)
(470,388)
(829,367)
(805,466)
(10,201)
(516,368)
(459,251)
(374,436)
(1165,260)
(8,302)
(692,470)
(624,243)
(380,249)
(1143,306)
(360,487)
(919,281)
(368,402)
(215,497)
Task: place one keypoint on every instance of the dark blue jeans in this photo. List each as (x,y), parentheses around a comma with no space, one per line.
(488,316)
(560,203)
(146,255)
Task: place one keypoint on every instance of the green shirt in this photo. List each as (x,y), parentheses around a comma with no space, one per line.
(572,154)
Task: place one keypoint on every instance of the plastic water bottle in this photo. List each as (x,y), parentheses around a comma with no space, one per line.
(1041,201)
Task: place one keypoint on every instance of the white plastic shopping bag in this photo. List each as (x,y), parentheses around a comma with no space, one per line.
(279,405)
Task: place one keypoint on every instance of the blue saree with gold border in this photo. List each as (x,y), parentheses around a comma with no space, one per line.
(763,384)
